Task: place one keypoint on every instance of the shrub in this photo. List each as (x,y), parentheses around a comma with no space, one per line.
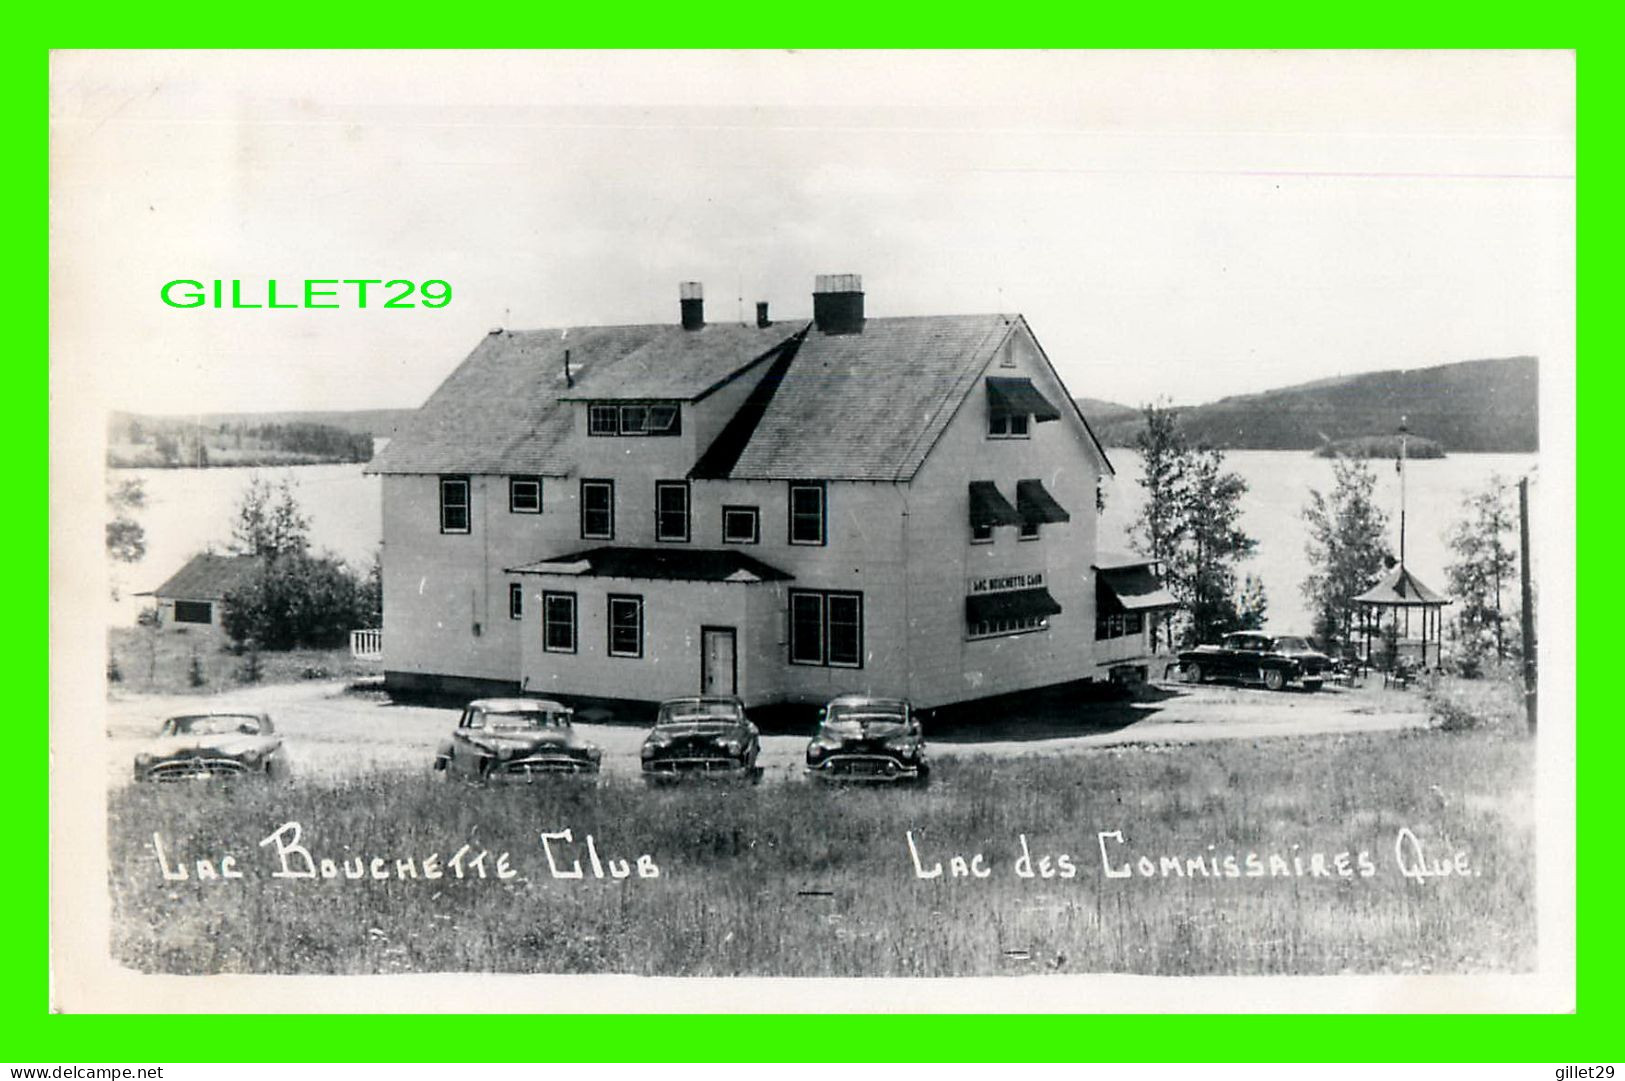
(194,670)
(1495,701)
(249,671)
(148,616)
(298,600)
(114,673)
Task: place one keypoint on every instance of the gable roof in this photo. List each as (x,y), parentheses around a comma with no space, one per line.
(209,577)
(869,406)
(506,408)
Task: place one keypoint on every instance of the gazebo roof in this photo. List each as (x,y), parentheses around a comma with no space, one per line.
(1401,589)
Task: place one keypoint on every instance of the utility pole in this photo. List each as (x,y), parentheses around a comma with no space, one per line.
(1528,616)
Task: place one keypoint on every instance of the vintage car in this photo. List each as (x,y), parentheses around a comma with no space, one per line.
(1258,658)
(201,745)
(708,736)
(864,738)
(515,739)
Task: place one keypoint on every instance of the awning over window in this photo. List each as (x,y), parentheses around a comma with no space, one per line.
(1130,589)
(988,507)
(1036,506)
(1011,394)
(1014,604)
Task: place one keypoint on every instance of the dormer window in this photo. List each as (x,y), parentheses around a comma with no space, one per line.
(634,418)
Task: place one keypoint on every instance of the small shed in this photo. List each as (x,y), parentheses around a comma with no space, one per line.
(194,594)
(1396,597)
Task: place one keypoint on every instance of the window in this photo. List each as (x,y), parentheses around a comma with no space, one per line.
(634,418)
(981,532)
(194,612)
(807,512)
(559,622)
(826,628)
(1029,530)
(1006,425)
(741,525)
(671,510)
(454,504)
(516,601)
(598,510)
(625,626)
(1119,625)
(603,420)
(994,628)
(525,495)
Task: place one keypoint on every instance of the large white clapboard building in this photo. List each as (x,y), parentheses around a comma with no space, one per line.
(784,510)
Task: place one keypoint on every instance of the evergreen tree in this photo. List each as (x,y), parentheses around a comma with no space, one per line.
(1164,459)
(268,521)
(1348,547)
(1485,569)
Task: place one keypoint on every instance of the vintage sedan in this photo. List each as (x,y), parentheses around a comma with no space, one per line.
(1257,658)
(196,746)
(709,736)
(865,738)
(515,739)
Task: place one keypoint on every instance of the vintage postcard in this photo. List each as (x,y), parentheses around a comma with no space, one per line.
(746,531)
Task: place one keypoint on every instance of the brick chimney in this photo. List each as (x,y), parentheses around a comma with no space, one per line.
(838,303)
(761,314)
(691,295)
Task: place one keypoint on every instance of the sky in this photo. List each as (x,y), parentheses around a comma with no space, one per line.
(1174,226)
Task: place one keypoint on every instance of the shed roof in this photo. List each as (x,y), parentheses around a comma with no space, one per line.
(1134,588)
(209,577)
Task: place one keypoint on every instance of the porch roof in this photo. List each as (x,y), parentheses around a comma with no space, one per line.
(658,564)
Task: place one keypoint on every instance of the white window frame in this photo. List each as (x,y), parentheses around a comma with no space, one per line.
(662,486)
(513,494)
(623,599)
(597,483)
(467,505)
(548,622)
(823,512)
(751,513)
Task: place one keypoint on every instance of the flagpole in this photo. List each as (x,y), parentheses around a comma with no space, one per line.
(1403,433)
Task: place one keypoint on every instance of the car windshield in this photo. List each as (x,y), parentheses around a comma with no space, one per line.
(216,724)
(867,717)
(674,713)
(526,718)
(1289,642)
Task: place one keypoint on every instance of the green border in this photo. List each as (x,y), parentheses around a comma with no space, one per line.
(32,1034)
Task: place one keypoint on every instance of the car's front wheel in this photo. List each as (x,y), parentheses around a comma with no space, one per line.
(1193,673)
(1274,679)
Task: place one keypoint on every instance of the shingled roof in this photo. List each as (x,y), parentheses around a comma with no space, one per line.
(505,409)
(209,577)
(864,406)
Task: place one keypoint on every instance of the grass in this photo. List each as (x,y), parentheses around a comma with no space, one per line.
(809,880)
(1493,702)
(178,659)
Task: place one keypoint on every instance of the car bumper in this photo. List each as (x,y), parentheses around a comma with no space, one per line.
(865,767)
(694,765)
(526,770)
(194,769)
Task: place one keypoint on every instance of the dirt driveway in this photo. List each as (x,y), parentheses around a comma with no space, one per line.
(334,733)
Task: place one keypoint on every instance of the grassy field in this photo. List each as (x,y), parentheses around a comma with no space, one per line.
(808,880)
(160,661)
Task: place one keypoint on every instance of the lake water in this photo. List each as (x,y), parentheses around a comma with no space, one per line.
(190,509)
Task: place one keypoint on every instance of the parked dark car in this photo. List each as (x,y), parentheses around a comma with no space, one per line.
(864,738)
(1258,658)
(702,735)
(516,739)
(201,745)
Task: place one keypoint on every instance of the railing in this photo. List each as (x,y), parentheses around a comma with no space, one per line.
(367,644)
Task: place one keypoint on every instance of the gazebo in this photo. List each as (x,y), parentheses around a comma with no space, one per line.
(1397,595)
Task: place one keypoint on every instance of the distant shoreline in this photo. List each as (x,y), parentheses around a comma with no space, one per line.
(216,461)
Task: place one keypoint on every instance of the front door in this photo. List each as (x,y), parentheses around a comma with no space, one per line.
(719,669)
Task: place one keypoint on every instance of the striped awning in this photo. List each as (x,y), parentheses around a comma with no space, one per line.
(1014,394)
(1036,506)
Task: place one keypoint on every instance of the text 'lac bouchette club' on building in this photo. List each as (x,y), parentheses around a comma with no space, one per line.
(785,511)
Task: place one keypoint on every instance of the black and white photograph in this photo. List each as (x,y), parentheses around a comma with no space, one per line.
(773,530)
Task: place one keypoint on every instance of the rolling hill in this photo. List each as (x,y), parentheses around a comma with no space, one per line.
(1473,405)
